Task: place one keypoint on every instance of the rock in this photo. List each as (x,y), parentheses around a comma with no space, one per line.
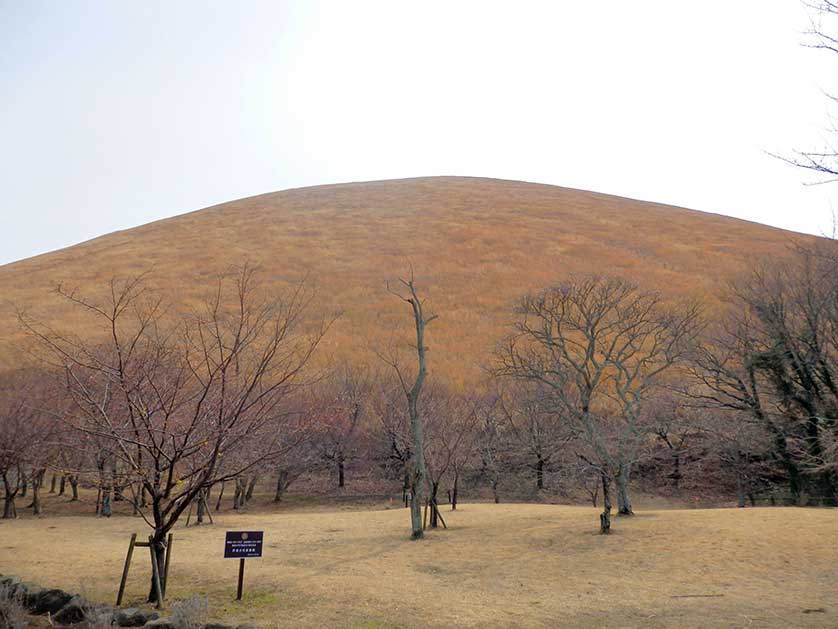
(73,612)
(50,601)
(160,623)
(31,594)
(133,617)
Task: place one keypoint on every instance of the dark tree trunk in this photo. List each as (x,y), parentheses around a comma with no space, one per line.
(676,469)
(52,485)
(434,518)
(9,511)
(202,498)
(341,471)
(605,516)
(454,491)
(63,485)
(24,483)
(406,487)
(495,493)
(740,489)
(539,473)
(74,484)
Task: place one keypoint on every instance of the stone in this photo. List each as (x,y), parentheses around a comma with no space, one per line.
(73,612)
(50,601)
(133,617)
(31,594)
(160,623)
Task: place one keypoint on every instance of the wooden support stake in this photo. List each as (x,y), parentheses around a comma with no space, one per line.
(439,515)
(155,573)
(168,559)
(241,579)
(206,508)
(125,569)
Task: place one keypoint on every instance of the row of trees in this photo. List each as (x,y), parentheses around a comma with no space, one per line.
(600,382)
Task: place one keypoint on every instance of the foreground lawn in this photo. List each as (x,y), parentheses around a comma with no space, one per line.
(507,565)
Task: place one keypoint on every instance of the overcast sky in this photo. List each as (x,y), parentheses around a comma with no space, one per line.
(116,113)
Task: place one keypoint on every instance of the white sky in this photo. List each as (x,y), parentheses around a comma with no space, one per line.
(116,113)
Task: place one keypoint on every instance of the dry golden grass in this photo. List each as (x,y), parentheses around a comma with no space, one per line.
(508,565)
(476,245)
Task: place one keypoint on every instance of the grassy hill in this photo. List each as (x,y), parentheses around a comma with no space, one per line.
(475,244)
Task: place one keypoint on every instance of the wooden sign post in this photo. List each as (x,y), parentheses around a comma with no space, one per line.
(242,545)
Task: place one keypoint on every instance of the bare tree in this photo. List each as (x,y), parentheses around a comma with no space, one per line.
(340,402)
(595,348)
(412,392)
(184,398)
(25,435)
(775,359)
(821,35)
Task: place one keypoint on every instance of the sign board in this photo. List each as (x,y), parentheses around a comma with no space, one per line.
(243,544)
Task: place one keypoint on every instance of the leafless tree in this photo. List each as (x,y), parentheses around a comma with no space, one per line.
(25,436)
(595,348)
(776,359)
(821,35)
(183,398)
(409,294)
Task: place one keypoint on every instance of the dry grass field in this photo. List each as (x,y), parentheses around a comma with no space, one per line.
(476,246)
(508,565)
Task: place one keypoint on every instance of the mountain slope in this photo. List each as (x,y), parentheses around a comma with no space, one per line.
(475,244)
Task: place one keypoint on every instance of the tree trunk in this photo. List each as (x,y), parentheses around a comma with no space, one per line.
(251,486)
(202,498)
(9,511)
(605,516)
(341,471)
(454,491)
(239,495)
(415,513)
(281,478)
(495,493)
(63,485)
(220,496)
(623,500)
(107,493)
(36,491)
(52,485)
(24,482)
(159,546)
(74,484)
(539,473)
(740,479)
(434,518)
